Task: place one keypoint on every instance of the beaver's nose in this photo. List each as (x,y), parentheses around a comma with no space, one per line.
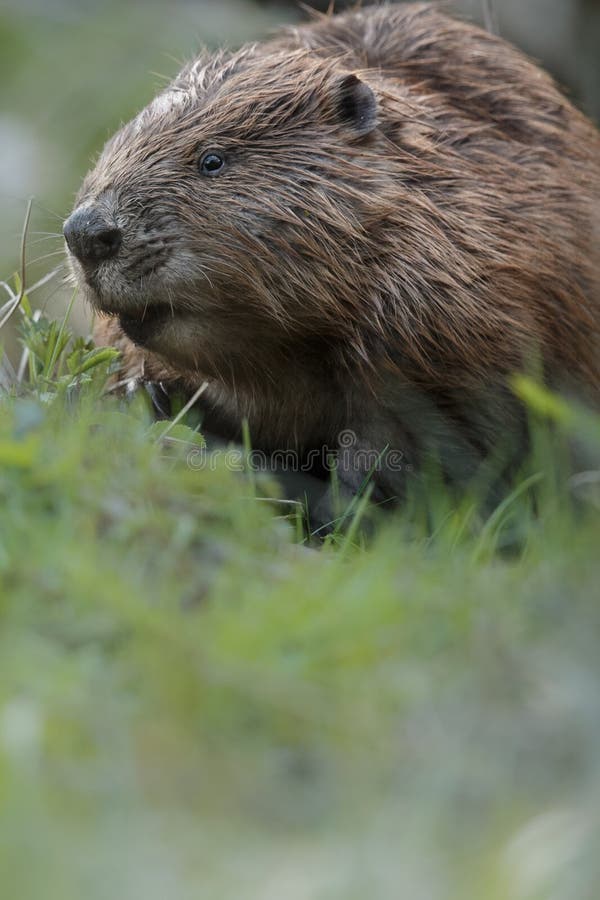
(90,237)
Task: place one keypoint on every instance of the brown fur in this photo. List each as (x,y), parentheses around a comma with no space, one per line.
(380,268)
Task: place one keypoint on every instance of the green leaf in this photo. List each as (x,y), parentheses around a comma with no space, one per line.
(176,433)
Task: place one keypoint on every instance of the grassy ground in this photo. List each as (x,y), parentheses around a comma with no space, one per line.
(194,703)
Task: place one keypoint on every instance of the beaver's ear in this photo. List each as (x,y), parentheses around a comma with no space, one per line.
(355,104)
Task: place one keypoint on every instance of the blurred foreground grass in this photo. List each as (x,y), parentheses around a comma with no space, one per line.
(195,705)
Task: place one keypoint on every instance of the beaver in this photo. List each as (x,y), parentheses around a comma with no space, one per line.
(362,226)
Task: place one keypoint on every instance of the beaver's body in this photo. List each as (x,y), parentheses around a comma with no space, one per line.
(364,225)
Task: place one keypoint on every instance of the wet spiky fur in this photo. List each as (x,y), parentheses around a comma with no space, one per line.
(377,267)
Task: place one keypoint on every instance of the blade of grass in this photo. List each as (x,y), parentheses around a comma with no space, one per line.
(183,411)
(21,294)
(57,350)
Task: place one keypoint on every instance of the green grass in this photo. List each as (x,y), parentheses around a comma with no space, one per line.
(194,703)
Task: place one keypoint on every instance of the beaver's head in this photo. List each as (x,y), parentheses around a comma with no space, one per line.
(232,207)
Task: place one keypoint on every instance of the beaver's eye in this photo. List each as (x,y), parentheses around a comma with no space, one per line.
(211,163)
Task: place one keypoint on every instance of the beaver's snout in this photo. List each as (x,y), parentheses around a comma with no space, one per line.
(90,237)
